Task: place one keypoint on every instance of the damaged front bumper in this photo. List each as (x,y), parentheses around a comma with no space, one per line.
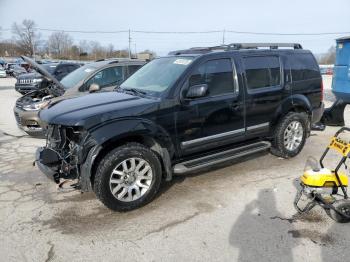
(68,156)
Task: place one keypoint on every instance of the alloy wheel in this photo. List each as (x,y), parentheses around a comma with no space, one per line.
(130,179)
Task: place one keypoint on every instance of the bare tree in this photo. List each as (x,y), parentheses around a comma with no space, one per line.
(110,50)
(329,57)
(26,36)
(97,51)
(60,44)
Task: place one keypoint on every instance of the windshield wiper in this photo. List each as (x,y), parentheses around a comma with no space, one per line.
(134,91)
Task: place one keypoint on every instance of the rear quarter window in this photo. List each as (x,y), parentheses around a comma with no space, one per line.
(303,67)
(262,71)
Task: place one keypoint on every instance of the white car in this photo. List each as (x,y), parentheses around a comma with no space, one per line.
(2,72)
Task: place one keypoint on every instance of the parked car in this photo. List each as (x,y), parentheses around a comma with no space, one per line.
(326,69)
(8,68)
(33,81)
(2,72)
(17,70)
(190,110)
(103,75)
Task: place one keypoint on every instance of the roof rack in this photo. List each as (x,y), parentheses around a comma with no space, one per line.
(269,45)
(118,60)
(236,46)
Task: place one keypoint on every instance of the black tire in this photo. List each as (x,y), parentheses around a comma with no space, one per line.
(343,206)
(110,161)
(278,146)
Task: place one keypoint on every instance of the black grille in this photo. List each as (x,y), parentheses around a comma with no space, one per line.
(25,81)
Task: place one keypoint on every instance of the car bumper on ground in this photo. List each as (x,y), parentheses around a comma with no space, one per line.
(317,114)
(29,121)
(43,156)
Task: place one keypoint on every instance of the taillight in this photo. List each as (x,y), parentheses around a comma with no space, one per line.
(321,90)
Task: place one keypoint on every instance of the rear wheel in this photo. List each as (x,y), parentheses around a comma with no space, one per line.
(344,207)
(128,177)
(290,135)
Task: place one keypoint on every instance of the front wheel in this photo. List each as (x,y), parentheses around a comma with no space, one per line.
(128,177)
(290,135)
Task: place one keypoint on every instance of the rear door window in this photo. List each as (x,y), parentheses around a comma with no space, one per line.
(262,71)
(303,67)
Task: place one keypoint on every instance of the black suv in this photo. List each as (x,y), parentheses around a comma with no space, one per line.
(180,113)
(34,81)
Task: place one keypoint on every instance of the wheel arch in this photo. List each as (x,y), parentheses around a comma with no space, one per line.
(296,103)
(145,132)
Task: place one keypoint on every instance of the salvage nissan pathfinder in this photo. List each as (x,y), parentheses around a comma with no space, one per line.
(189,110)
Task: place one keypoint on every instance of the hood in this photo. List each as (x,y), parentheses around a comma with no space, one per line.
(33,75)
(42,71)
(95,108)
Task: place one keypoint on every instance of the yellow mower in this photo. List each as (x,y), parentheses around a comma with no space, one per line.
(322,186)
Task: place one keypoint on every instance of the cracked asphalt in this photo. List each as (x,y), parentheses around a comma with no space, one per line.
(240,211)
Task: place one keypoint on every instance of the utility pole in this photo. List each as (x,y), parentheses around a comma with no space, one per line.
(223,36)
(129,45)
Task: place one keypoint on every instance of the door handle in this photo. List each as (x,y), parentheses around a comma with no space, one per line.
(235,107)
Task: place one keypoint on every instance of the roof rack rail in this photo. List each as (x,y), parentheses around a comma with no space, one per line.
(118,60)
(236,46)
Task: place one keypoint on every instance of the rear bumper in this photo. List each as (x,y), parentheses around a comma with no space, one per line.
(317,114)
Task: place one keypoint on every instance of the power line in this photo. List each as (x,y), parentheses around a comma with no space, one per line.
(287,34)
(185,32)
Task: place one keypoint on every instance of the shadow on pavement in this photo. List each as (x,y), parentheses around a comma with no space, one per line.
(258,235)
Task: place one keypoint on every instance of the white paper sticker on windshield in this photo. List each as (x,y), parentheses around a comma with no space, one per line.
(182,61)
(88,70)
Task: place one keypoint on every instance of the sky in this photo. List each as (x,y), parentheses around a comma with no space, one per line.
(271,16)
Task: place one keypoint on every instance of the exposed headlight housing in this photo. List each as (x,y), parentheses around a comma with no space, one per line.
(36,106)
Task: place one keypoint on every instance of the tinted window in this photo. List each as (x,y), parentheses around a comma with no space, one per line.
(107,77)
(50,67)
(71,68)
(77,76)
(303,66)
(262,71)
(217,74)
(132,69)
(61,69)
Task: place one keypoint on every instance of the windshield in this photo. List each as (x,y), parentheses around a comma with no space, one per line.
(77,75)
(49,67)
(158,75)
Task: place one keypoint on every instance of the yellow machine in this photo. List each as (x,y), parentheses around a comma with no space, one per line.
(321,185)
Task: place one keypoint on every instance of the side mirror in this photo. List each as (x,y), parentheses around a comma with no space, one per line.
(94,88)
(197,91)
